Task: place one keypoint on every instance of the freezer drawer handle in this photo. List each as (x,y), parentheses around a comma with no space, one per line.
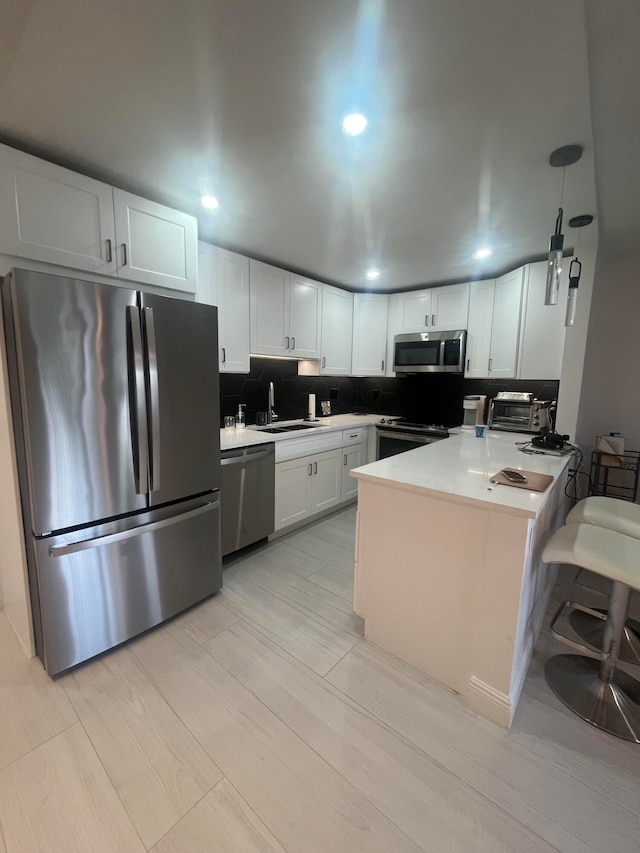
(140,439)
(98,542)
(154,400)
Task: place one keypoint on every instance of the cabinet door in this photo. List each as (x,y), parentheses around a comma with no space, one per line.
(326,480)
(51,214)
(207,291)
(415,312)
(269,309)
(351,458)
(369,334)
(232,274)
(305,306)
(479,329)
(337,331)
(293,490)
(449,307)
(543,329)
(505,327)
(155,244)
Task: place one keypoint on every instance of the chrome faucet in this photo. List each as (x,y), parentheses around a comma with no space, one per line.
(272,402)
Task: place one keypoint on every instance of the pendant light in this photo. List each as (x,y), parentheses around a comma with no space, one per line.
(561,157)
(574,271)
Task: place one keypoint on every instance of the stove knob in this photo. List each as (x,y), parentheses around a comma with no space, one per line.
(382,421)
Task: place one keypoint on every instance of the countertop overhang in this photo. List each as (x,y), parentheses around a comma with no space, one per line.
(459,468)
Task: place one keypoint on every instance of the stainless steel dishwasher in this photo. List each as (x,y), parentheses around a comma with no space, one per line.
(247,492)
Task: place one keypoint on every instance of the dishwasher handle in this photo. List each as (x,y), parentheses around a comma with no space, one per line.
(241,457)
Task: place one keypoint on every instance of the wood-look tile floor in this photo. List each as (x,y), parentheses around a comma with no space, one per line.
(261,721)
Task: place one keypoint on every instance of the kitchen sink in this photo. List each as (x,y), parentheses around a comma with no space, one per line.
(287,428)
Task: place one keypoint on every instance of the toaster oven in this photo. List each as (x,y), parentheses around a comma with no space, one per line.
(516,411)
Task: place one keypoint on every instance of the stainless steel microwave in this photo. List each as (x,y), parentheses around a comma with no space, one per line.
(430,352)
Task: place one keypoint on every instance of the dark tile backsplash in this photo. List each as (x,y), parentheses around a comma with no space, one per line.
(433,398)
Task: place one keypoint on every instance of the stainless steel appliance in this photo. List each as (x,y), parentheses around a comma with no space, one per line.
(430,352)
(247,493)
(396,435)
(115,405)
(517,411)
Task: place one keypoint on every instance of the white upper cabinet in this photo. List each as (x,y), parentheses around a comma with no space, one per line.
(505,326)
(449,307)
(155,244)
(543,329)
(51,214)
(337,331)
(223,280)
(60,217)
(479,329)
(410,312)
(285,312)
(305,317)
(369,334)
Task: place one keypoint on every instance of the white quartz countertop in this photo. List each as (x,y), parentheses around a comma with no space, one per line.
(459,468)
(233,438)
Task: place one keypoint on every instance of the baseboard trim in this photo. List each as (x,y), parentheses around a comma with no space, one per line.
(489,702)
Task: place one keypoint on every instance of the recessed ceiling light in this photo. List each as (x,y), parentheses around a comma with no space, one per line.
(354,124)
(373,274)
(210,202)
(481,254)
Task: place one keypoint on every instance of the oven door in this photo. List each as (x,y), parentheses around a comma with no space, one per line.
(510,415)
(392,442)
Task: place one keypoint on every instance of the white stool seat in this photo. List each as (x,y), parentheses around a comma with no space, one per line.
(598,692)
(613,513)
(605,552)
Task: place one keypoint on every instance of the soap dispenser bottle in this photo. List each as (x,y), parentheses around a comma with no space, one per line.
(240,419)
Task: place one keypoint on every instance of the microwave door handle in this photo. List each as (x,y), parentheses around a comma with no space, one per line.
(137,396)
(154,399)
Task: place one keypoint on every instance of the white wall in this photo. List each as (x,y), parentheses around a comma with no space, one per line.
(610,400)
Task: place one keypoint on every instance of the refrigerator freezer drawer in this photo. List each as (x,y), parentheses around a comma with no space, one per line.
(96,593)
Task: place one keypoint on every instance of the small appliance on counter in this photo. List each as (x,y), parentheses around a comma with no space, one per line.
(518,411)
(473,406)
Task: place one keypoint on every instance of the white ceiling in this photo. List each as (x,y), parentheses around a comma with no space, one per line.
(244,98)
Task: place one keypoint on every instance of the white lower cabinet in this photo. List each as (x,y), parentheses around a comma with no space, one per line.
(352,457)
(306,486)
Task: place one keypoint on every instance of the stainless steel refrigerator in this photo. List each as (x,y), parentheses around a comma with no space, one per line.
(115,405)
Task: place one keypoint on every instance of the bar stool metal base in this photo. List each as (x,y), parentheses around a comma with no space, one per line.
(612,706)
(591,630)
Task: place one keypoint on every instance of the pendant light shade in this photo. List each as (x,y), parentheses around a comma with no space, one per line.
(574,280)
(560,158)
(554,264)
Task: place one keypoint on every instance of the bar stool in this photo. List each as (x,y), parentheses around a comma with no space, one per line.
(596,690)
(624,517)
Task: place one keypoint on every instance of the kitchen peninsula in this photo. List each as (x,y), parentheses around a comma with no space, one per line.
(448,568)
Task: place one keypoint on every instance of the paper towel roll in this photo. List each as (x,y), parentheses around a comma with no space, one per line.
(312,407)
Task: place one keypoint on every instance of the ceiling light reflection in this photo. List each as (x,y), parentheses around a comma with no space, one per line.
(354,124)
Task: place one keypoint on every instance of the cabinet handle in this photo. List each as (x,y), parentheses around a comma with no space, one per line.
(315,467)
(490,363)
(382,365)
(224,355)
(124,254)
(433,319)
(468,363)
(109,252)
(345,459)
(310,469)
(286,343)
(293,343)
(355,435)
(426,319)
(324,361)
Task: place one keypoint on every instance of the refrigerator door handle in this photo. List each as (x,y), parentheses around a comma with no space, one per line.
(137,396)
(154,400)
(99,541)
